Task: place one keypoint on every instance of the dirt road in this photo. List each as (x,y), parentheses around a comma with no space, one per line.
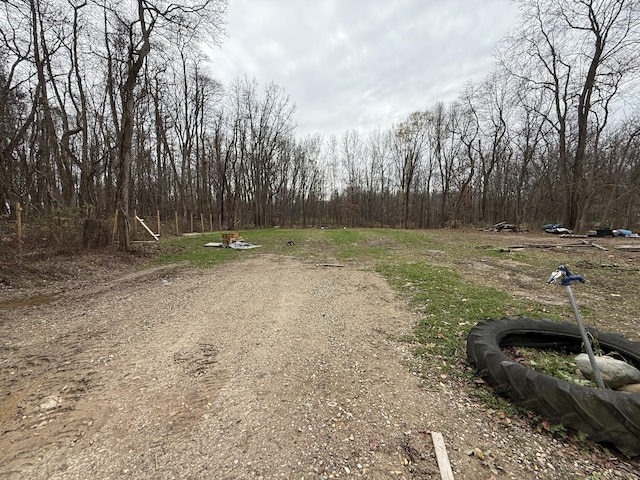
(266,368)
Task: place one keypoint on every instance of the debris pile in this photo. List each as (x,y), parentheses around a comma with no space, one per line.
(232,240)
(504,227)
(556,229)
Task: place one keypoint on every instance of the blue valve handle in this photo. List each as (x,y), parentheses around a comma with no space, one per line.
(571,278)
(565,269)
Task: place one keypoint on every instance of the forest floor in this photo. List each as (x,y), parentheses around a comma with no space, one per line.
(269,367)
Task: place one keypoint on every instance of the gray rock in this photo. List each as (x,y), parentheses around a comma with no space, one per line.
(632,388)
(615,373)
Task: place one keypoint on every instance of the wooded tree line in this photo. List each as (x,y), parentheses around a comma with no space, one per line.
(107,106)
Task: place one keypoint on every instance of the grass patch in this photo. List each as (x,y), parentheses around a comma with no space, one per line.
(191,249)
(555,363)
(450,306)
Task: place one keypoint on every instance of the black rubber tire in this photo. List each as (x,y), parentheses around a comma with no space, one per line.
(605,416)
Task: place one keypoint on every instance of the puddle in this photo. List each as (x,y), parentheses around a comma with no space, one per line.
(27,302)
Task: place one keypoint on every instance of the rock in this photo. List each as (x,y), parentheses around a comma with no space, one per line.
(50,404)
(615,373)
(632,388)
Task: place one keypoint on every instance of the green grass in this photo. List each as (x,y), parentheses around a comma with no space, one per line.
(450,306)
(191,250)
(555,363)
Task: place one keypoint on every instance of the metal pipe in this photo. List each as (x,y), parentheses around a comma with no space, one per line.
(585,338)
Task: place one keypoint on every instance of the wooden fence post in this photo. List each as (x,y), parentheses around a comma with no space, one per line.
(211,222)
(158,218)
(191,222)
(201,222)
(134,233)
(115,227)
(19,227)
(177,227)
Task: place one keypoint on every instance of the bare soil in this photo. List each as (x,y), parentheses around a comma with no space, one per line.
(266,368)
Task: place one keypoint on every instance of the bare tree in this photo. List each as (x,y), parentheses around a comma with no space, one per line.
(410,141)
(18,109)
(379,146)
(352,154)
(577,51)
(140,30)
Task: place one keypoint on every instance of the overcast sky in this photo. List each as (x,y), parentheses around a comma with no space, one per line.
(361,64)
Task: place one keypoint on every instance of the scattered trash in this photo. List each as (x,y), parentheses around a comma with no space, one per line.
(290,243)
(607,232)
(165,282)
(624,233)
(504,227)
(236,244)
(556,228)
(239,245)
(602,232)
(229,238)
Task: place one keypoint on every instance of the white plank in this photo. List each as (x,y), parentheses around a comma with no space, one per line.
(154,235)
(441,455)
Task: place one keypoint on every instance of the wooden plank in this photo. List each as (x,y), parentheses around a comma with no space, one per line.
(536,245)
(156,237)
(550,245)
(441,456)
(629,248)
(600,247)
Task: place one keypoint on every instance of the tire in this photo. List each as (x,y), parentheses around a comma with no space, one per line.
(605,416)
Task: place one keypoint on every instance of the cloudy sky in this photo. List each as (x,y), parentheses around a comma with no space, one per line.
(361,64)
